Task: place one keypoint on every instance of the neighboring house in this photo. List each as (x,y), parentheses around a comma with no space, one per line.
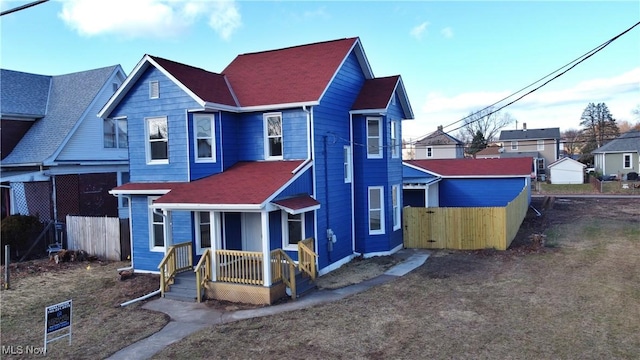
(282,145)
(566,171)
(438,145)
(468,182)
(490,152)
(619,156)
(58,158)
(541,144)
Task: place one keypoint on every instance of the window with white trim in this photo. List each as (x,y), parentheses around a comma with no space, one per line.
(347,163)
(540,145)
(154,89)
(123,201)
(540,163)
(376,210)
(115,133)
(156,227)
(626,161)
(273,136)
(429,151)
(203,231)
(204,137)
(374,138)
(157,140)
(395,198)
(514,145)
(394,139)
(293,226)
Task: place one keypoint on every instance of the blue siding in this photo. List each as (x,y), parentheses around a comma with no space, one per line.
(301,185)
(408,172)
(137,106)
(203,169)
(233,231)
(275,230)
(230,145)
(479,192)
(331,133)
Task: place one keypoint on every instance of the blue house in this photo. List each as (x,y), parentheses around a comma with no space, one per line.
(287,158)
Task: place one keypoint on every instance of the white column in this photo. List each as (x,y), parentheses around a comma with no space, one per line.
(266,252)
(216,240)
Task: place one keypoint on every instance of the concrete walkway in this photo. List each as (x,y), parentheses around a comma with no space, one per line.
(187,318)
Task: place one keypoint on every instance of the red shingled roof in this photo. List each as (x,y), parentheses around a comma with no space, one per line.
(208,86)
(376,93)
(291,75)
(477,167)
(245,183)
(298,203)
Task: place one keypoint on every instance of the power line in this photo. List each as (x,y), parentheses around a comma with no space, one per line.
(22,7)
(574,62)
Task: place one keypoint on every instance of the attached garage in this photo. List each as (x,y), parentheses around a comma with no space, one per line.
(566,171)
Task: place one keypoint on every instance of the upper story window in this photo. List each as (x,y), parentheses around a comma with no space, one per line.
(347,163)
(514,145)
(273,136)
(157,140)
(626,161)
(376,210)
(429,151)
(154,89)
(540,145)
(394,139)
(204,137)
(374,138)
(395,198)
(115,133)
(540,163)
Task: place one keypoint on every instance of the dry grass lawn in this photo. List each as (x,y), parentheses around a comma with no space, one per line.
(100,326)
(579,299)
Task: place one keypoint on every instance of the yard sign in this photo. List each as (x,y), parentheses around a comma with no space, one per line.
(57,317)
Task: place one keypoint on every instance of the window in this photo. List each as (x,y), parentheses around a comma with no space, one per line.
(115,86)
(154,90)
(395,198)
(203,230)
(540,163)
(156,227)
(293,230)
(123,200)
(157,140)
(626,161)
(115,133)
(429,151)
(374,138)
(273,136)
(540,145)
(376,210)
(204,138)
(514,145)
(347,163)
(394,139)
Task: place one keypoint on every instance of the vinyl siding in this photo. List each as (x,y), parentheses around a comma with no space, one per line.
(479,192)
(203,169)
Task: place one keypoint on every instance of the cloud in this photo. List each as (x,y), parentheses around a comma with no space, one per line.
(419,31)
(148,18)
(447,32)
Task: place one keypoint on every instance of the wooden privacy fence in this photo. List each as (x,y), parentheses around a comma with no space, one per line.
(464,228)
(104,237)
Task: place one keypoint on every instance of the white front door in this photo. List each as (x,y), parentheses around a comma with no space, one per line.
(251,232)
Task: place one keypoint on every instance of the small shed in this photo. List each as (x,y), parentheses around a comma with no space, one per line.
(566,171)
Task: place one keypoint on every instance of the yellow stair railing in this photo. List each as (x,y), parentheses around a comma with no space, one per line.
(177,259)
(307,257)
(283,268)
(203,273)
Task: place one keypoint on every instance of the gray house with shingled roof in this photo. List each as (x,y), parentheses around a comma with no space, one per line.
(58,157)
(438,145)
(620,156)
(543,145)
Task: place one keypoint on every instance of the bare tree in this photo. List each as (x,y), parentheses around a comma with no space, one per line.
(572,141)
(487,122)
(625,126)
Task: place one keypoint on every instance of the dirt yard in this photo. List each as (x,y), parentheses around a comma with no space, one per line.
(575,298)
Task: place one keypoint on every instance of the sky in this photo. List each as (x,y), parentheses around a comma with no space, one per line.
(454,57)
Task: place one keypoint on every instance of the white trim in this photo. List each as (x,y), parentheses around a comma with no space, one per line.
(212,123)
(337,264)
(202,207)
(154,89)
(395,189)
(428,151)
(347,166)
(393,135)
(198,238)
(381,209)
(267,149)
(540,145)
(139,192)
(151,223)
(352,198)
(514,145)
(297,211)
(147,141)
(284,217)
(383,253)
(630,160)
(380,153)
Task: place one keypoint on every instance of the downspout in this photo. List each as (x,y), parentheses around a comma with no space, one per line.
(353,180)
(311,151)
(326,192)
(54,199)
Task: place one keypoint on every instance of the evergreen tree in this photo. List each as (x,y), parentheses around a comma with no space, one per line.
(478,143)
(599,126)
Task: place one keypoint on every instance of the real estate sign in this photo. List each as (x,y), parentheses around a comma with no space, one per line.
(57,317)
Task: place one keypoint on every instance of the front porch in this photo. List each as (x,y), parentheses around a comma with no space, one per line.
(239,276)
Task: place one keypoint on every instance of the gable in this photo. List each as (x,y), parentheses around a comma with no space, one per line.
(377,94)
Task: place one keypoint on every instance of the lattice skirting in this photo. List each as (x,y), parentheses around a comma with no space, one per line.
(248,294)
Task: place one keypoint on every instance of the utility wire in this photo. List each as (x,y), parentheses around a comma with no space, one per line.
(574,62)
(22,7)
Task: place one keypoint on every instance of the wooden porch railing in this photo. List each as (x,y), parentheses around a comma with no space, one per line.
(239,267)
(203,273)
(283,268)
(177,259)
(307,257)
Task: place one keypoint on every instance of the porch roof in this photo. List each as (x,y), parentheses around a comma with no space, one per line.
(297,204)
(245,184)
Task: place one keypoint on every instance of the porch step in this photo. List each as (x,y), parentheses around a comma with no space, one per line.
(304,284)
(183,287)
